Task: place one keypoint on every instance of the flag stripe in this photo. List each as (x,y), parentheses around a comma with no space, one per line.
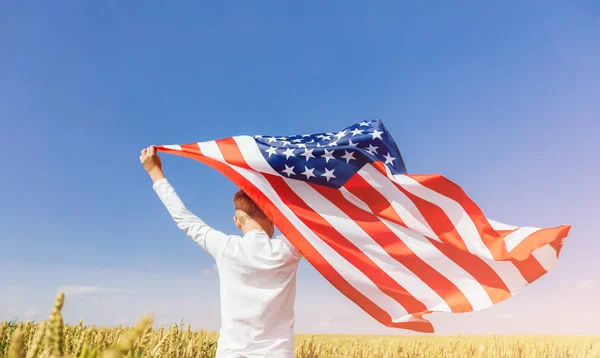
(553,236)
(517,236)
(547,256)
(251,154)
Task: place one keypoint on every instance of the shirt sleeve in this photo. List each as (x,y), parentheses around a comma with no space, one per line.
(212,241)
(294,253)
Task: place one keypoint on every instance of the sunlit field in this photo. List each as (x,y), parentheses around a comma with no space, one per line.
(51,338)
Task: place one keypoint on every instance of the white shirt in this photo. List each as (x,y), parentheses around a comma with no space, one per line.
(257,283)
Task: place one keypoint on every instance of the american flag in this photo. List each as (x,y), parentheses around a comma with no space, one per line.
(398,245)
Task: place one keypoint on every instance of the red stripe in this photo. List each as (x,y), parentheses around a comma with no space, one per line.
(530,268)
(386,238)
(231,155)
(539,238)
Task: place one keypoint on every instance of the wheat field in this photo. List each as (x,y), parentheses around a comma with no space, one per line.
(53,339)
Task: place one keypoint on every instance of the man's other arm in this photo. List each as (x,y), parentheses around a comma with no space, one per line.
(212,241)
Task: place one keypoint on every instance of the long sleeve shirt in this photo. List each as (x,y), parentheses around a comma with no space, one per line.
(257,283)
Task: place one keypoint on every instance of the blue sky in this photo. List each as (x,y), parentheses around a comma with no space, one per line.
(502,98)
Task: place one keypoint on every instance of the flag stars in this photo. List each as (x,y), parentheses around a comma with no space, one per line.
(309,173)
(308,153)
(377,134)
(341,134)
(330,159)
(289,171)
(328,155)
(271,151)
(289,152)
(372,149)
(348,156)
(389,159)
(328,174)
(356,131)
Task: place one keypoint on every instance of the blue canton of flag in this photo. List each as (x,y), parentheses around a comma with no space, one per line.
(331,159)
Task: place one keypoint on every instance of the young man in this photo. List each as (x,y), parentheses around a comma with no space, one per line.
(257,274)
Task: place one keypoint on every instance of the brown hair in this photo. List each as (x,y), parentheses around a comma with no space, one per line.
(242,202)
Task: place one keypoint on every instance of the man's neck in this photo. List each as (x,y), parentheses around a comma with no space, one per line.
(252,227)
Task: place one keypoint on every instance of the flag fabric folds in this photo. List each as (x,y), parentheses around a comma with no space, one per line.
(399,245)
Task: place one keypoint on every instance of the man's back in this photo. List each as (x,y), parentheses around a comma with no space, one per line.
(257,283)
(258,287)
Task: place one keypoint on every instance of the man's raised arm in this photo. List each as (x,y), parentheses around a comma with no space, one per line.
(211,240)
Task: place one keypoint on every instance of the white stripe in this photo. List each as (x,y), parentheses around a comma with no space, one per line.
(513,239)
(546,256)
(404,207)
(252,155)
(350,273)
(496,225)
(211,150)
(173,147)
(509,273)
(423,249)
(455,212)
(359,238)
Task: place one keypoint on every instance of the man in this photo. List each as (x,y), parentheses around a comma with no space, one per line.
(257,274)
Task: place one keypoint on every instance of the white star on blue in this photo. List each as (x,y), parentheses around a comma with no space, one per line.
(332,159)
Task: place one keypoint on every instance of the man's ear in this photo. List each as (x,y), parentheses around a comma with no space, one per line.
(237,222)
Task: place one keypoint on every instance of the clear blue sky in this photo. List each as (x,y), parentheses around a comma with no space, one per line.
(501,97)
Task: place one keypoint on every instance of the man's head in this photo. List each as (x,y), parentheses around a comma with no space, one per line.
(248,215)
